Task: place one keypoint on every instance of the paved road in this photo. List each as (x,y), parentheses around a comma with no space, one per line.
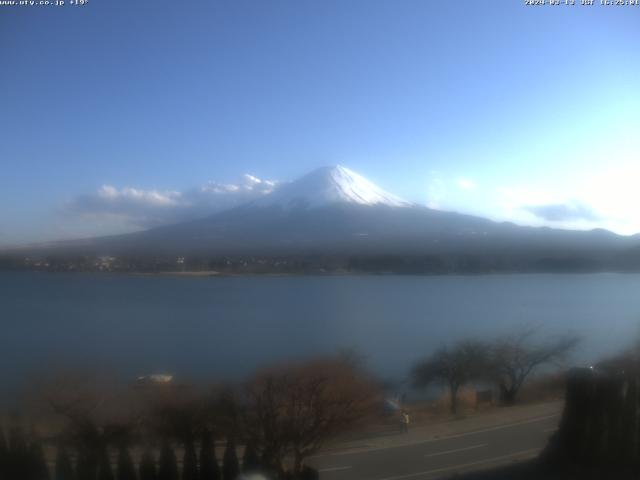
(442,457)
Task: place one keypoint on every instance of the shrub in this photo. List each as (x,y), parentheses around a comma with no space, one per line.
(168,466)
(230,464)
(104,469)
(147,468)
(190,462)
(209,469)
(126,469)
(64,468)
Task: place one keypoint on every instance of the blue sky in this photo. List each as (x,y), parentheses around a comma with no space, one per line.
(117,112)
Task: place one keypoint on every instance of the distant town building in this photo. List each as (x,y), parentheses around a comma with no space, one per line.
(155,379)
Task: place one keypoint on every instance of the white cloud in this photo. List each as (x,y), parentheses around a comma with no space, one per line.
(615,194)
(606,197)
(562,212)
(539,207)
(466,183)
(126,195)
(141,208)
(435,191)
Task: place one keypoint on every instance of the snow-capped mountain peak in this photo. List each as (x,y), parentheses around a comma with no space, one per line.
(330,185)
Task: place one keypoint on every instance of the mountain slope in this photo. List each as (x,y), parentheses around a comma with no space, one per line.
(336,212)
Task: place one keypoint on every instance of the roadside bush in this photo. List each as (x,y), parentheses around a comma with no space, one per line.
(230,464)
(126,469)
(64,468)
(168,465)
(209,469)
(38,469)
(147,467)
(190,462)
(250,459)
(105,472)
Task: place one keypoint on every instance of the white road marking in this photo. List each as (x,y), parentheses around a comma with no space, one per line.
(439,439)
(457,450)
(333,469)
(492,429)
(464,465)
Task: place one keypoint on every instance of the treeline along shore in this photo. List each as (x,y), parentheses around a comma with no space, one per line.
(323,264)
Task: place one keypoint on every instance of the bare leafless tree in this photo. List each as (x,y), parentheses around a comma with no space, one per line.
(293,410)
(452,366)
(90,410)
(515,357)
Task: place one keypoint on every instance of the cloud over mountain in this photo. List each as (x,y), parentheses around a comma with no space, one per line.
(149,208)
(561,212)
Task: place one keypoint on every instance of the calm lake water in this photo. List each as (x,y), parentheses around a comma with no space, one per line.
(226,327)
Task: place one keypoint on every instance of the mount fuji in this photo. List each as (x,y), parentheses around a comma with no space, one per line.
(328,186)
(335,212)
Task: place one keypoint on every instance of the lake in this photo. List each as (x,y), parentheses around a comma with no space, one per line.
(224,328)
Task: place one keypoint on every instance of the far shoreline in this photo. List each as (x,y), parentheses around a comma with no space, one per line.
(217,274)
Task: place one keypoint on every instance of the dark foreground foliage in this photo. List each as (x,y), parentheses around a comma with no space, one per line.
(541,470)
